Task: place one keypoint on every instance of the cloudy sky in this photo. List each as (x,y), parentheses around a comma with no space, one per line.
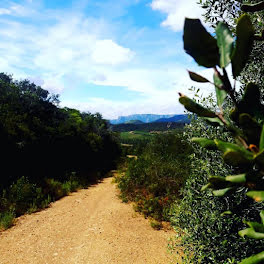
(114,57)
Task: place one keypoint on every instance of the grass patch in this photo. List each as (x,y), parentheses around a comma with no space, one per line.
(156,224)
(132,135)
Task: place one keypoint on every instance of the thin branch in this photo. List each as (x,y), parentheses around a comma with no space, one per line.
(227,85)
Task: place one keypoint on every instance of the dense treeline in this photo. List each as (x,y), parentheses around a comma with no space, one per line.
(40,140)
(148,127)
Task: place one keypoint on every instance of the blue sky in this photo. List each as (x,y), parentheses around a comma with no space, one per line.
(114,57)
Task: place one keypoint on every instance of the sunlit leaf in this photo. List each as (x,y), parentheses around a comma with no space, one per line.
(251,233)
(258,196)
(220,93)
(225,43)
(205,143)
(222,192)
(256,259)
(261,143)
(193,107)
(241,178)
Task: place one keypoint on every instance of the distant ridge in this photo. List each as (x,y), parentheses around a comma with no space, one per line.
(176,118)
(136,122)
(146,118)
(149,118)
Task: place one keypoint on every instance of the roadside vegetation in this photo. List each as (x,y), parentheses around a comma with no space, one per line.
(212,207)
(221,223)
(48,151)
(154,180)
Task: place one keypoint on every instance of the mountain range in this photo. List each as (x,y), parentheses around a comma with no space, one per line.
(149,118)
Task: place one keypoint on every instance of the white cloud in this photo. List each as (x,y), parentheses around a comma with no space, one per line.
(108,52)
(16,10)
(72,46)
(113,109)
(176,11)
(4,11)
(60,49)
(159,89)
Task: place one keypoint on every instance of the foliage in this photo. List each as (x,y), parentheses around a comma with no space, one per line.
(128,137)
(45,145)
(146,180)
(42,140)
(245,123)
(148,127)
(6,219)
(229,11)
(208,235)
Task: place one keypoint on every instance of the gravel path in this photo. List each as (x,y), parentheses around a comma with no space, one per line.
(91,226)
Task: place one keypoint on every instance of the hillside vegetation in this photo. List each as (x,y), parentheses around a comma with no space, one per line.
(48,151)
(148,127)
(155,178)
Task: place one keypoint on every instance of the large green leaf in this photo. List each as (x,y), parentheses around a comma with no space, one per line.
(251,233)
(237,159)
(258,196)
(251,128)
(200,44)
(220,93)
(241,178)
(205,143)
(258,227)
(261,143)
(214,121)
(253,7)
(250,102)
(193,107)
(205,187)
(226,146)
(225,43)
(244,33)
(233,154)
(256,259)
(197,78)
(222,192)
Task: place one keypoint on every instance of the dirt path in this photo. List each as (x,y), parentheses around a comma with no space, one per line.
(90,226)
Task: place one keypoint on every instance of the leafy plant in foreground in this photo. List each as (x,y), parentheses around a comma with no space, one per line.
(245,121)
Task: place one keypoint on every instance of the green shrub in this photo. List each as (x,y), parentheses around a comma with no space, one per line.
(6,219)
(55,189)
(25,197)
(146,179)
(21,195)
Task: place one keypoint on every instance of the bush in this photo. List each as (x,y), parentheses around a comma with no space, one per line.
(21,195)
(25,197)
(208,235)
(6,219)
(154,180)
